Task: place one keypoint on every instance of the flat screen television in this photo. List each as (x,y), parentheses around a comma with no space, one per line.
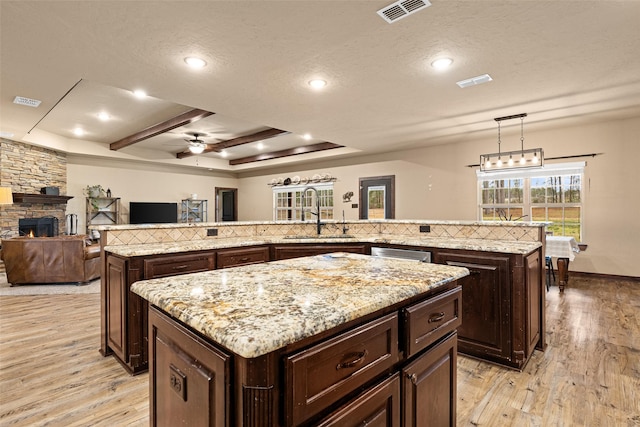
(152,213)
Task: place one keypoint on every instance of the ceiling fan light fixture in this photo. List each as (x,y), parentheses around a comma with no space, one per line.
(196,147)
(317,83)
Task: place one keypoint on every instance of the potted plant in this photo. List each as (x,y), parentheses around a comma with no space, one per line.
(94,191)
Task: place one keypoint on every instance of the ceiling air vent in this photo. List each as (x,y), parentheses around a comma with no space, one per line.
(402,8)
(473,81)
(21,100)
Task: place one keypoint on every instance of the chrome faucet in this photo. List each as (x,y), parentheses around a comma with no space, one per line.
(317,212)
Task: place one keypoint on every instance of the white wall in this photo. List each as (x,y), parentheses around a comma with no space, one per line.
(434,183)
(139,183)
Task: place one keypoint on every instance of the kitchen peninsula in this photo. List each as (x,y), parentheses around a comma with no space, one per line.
(503,297)
(322,340)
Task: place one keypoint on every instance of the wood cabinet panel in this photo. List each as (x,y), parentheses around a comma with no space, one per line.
(190,384)
(241,256)
(429,387)
(116,288)
(486,303)
(319,376)
(376,407)
(281,252)
(428,321)
(535,294)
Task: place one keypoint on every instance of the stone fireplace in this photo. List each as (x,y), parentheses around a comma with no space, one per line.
(26,169)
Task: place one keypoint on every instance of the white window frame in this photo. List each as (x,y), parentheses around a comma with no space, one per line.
(549,170)
(293,212)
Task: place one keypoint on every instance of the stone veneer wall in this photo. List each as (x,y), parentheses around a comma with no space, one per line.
(150,235)
(26,169)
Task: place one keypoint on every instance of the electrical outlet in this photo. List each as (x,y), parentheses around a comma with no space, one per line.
(178,382)
(212,231)
(425,229)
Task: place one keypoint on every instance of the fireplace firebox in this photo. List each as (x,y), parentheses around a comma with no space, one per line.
(38,227)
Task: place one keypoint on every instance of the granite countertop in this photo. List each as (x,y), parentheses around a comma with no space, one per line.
(485,245)
(256,309)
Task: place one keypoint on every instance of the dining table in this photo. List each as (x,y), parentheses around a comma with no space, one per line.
(564,249)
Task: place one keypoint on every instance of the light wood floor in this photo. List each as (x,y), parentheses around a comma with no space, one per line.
(51,373)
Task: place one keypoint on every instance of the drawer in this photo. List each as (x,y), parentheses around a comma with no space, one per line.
(236,257)
(179,264)
(318,377)
(428,321)
(378,406)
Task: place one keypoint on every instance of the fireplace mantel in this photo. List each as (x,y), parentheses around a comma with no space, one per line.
(40,198)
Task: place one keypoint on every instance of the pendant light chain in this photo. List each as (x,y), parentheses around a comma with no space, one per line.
(521,133)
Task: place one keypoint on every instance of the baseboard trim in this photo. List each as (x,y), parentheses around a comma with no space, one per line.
(602,276)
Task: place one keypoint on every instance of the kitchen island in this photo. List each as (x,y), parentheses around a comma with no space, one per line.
(308,341)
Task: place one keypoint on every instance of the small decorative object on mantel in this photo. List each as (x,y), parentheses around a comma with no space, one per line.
(108,192)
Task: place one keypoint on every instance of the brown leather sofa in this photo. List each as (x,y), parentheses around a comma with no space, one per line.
(62,259)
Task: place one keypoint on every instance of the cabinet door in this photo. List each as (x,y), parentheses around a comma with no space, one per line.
(376,407)
(189,378)
(296,251)
(429,387)
(486,302)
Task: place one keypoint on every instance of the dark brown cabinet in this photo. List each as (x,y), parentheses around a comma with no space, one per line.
(190,384)
(359,374)
(281,252)
(429,387)
(502,310)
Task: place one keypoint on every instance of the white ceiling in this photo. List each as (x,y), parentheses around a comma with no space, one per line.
(562,62)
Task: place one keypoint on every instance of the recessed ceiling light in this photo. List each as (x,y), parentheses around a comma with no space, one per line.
(223,153)
(103,116)
(78,132)
(194,62)
(307,136)
(317,83)
(139,93)
(442,63)
(260,146)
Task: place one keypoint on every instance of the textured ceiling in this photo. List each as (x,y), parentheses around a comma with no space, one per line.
(562,62)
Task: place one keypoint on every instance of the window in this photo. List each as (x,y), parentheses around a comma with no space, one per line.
(551,194)
(287,202)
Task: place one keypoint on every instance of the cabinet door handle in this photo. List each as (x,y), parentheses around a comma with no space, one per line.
(413,378)
(436,317)
(473,272)
(359,357)
(180,267)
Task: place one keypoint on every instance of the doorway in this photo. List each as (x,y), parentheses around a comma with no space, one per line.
(226,204)
(377,197)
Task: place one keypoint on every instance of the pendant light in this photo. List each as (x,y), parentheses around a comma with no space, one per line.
(532,158)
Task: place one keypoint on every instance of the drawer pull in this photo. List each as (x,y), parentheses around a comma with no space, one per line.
(436,317)
(359,357)
(180,267)
(245,259)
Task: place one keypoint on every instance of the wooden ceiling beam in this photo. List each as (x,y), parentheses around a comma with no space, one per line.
(254,137)
(160,128)
(286,153)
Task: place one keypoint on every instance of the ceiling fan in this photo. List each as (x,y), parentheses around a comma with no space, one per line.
(196,146)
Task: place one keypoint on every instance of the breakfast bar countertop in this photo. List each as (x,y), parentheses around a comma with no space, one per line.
(485,245)
(256,309)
